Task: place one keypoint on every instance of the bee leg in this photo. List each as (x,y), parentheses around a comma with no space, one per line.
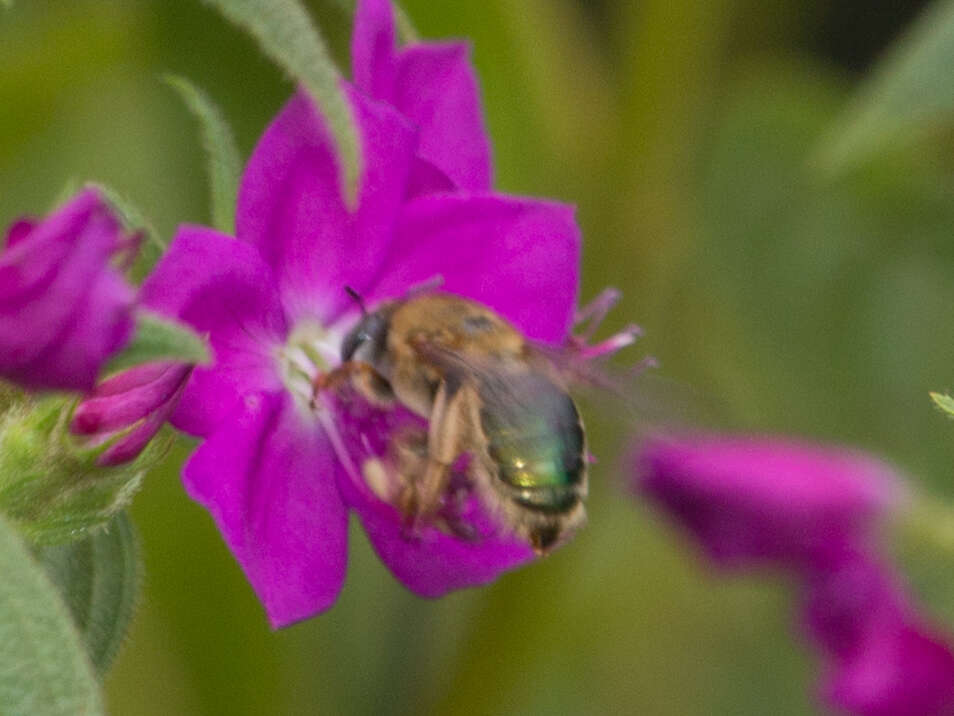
(447,439)
(359,375)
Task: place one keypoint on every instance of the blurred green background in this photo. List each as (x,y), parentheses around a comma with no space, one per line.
(802,302)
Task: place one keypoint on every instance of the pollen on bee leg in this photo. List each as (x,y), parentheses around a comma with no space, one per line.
(375,474)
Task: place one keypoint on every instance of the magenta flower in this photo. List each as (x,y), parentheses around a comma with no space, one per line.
(64,309)
(435,87)
(884,660)
(815,512)
(277,474)
(750,500)
(128,409)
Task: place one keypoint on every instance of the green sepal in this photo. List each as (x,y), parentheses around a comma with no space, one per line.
(286,33)
(98,578)
(51,487)
(45,668)
(221,152)
(158,339)
(944,402)
(129,214)
(135,222)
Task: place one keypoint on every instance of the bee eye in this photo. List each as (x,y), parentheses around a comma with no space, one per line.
(351,344)
(371,330)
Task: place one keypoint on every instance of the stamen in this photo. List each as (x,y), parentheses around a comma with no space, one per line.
(425,286)
(647,363)
(337,444)
(592,314)
(624,338)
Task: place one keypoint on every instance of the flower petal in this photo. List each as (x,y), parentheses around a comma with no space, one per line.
(848,596)
(128,409)
(751,499)
(19,230)
(432,84)
(133,442)
(901,670)
(290,204)
(127,397)
(436,88)
(63,308)
(269,479)
(518,256)
(884,661)
(373,56)
(427,179)
(430,562)
(222,288)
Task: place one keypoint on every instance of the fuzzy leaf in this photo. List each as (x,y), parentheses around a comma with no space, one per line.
(944,402)
(406,31)
(221,152)
(43,666)
(910,91)
(98,578)
(286,34)
(156,339)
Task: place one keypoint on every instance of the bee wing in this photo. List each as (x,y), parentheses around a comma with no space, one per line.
(638,394)
(514,393)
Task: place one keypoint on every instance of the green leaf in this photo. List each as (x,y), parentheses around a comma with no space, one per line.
(43,665)
(224,162)
(909,92)
(944,402)
(98,578)
(286,34)
(158,338)
(406,31)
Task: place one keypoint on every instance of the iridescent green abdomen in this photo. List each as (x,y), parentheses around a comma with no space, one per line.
(535,438)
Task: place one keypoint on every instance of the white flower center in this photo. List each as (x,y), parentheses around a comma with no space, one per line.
(310,351)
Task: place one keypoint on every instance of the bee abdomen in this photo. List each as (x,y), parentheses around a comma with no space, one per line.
(535,440)
(551,460)
(555,500)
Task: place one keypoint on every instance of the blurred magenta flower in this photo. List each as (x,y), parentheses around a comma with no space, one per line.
(64,309)
(750,500)
(435,87)
(128,409)
(814,511)
(884,659)
(277,473)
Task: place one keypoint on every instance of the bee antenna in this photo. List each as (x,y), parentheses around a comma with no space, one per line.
(357,299)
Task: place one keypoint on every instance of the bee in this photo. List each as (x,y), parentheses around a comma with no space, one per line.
(487,393)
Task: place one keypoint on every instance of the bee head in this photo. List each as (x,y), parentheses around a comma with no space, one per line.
(366,341)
